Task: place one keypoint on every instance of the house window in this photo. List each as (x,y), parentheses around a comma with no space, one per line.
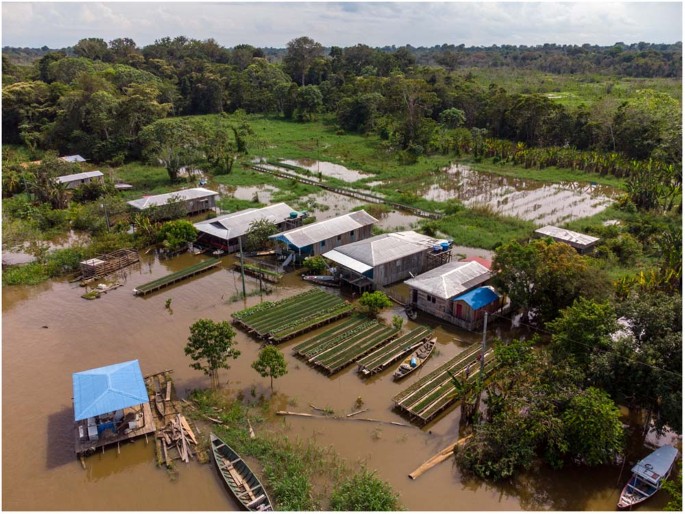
(339,238)
(323,243)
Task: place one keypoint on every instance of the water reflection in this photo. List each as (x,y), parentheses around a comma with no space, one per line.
(328,169)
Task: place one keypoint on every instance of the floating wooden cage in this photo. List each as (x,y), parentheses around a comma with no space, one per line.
(105,264)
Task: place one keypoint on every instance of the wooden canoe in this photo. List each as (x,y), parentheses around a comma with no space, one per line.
(418,357)
(238,477)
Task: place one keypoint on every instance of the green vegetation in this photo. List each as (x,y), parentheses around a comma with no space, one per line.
(176,235)
(315,265)
(270,363)
(374,302)
(210,345)
(364,492)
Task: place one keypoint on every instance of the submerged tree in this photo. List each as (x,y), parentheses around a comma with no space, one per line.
(374,302)
(270,363)
(210,345)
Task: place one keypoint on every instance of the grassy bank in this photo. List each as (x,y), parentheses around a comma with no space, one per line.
(298,474)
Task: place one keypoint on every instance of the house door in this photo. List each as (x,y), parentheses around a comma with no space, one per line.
(459,306)
(414,296)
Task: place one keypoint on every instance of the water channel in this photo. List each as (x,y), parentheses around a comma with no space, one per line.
(49,332)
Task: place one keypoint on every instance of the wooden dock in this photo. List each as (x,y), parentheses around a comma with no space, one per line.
(393,351)
(435,392)
(168,280)
(346,191)
(141,415)
(344,344)
(276,322)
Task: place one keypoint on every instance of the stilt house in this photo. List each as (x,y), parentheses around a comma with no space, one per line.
(190,201)
(322,236)
(388,258)
(78,179)
(455,292)
(224,232)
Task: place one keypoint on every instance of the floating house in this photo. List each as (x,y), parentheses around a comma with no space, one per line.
(455,292)
(111,405)
(388,258)
(193,200)
(225,232)
(322,236)
(78,179)
(581,242)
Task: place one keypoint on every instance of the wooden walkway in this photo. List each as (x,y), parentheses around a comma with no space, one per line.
(393,351)
(168,280)
(278,321)
(346,191)
(435,392)
(342,345)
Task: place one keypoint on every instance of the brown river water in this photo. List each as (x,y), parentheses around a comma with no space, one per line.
(49,332)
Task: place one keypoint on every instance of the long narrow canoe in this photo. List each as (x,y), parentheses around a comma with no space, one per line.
(239,478)
(415,360)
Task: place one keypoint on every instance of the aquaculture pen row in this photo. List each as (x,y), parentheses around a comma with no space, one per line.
(259,272)
(435,392)
(342,345)
(278,321)
(167,280)
(389,353)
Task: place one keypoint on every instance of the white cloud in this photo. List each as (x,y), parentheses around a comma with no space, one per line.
(344,24)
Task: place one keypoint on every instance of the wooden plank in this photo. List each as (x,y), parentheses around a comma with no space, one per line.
(441,456)
(168,391)
(187,428)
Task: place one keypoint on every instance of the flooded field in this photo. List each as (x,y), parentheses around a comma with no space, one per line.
(539,202)
(49,332)
(328,169)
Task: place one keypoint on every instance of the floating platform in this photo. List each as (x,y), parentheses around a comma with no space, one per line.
(344,344)
(276,322)
(393,351)
(168,280)
(435,392)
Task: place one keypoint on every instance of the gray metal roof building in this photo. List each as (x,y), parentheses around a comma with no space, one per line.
(79,178)
(184,195)
(450,279)
(236,224)
(309,235)
(73,158)
(581,242)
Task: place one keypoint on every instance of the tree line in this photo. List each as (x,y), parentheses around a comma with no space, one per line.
(96,98)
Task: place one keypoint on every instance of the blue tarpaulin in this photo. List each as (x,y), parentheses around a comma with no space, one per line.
(107,389)
(479,297)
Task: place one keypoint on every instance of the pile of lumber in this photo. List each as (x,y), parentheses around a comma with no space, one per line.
(177,435)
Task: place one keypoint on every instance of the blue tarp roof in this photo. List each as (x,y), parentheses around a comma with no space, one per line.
(101,390)
(479,297)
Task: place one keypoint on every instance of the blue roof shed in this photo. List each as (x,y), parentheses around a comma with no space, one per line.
(479,297)
(107,389)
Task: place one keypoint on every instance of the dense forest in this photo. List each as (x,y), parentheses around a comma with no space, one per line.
(95,98)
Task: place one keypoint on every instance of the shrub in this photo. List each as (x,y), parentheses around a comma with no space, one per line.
(364,492)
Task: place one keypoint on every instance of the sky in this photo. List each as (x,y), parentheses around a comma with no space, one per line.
(377,24)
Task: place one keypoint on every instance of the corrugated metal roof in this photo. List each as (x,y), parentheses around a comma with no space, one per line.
(73,158)
(78,176)
(184,194)
(322,230)
(107,389)
(236,224)
(348,262)
(479,297)
(567,236)
(387,247)
(450,279)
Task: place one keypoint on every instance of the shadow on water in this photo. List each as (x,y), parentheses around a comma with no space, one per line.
(132,454)
(60,449)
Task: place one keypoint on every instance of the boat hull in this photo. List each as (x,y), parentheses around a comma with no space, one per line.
(421,355)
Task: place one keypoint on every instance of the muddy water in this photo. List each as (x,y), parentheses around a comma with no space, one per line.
(49,332)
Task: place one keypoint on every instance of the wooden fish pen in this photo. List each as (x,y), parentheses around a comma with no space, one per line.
(168,280)
(258,271)
(435,392)
(393,351)
(109,263)
(342,345)
(278,321)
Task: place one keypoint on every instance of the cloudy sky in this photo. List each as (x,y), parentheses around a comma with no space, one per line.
(273,24)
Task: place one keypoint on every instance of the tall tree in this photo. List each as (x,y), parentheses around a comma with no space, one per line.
(300,55)
(210,345)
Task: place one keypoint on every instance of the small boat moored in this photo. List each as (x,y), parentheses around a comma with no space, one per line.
(238,477)
(648,476)
(416,359)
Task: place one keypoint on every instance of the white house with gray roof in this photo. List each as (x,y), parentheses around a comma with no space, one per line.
(193,200)
(322,236)
(224,231)
(387,258)
(78,179)
(581,242)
